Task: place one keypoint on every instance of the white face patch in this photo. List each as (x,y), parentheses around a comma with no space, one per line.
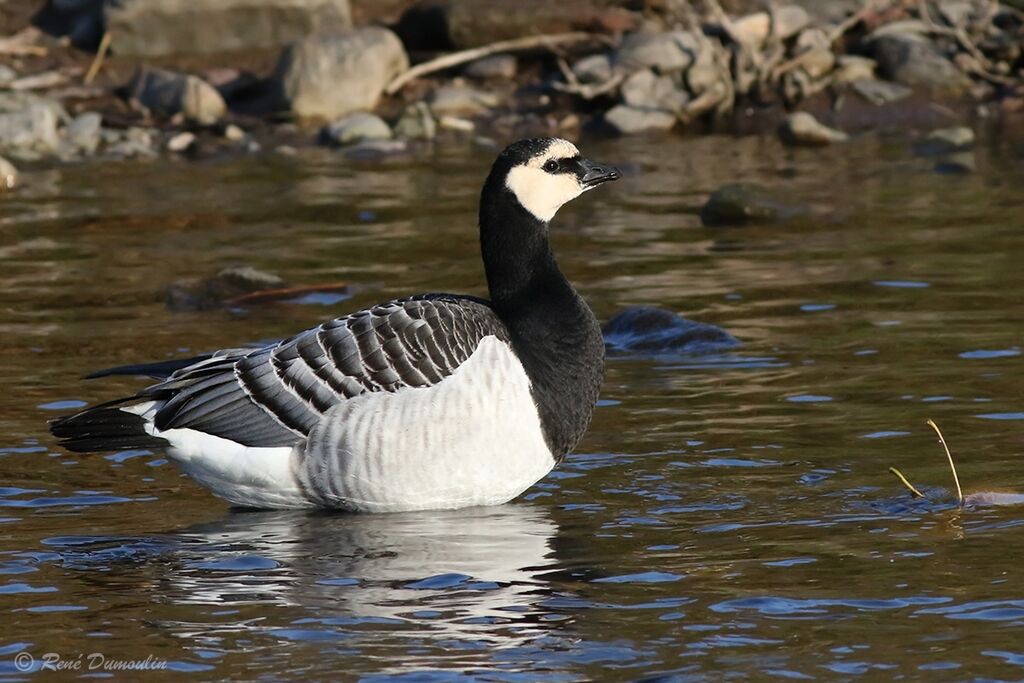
(542,193)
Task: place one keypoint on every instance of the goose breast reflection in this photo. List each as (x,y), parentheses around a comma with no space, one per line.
(435,401)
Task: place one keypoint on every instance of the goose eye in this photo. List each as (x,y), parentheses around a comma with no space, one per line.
(550,165)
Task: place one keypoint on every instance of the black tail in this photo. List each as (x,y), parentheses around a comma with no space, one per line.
(158,370)
(103,428)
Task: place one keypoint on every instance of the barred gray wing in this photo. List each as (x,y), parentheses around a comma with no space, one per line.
(275,395)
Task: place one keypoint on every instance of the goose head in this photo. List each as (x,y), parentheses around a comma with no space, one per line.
(543,174)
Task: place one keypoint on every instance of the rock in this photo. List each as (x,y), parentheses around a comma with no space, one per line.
(743,203)
(789,20)
(168,93)
(496,67)
(631,120)
(182,142)
(355,128)
(327,76)
(416,123)
(83,133)
(29,133)
(593,69)
(852,68)
(456,124)
(455,100)
(371,150)
(915,61)
(217,291)
(666,53)
(751,30)
(880,92)
(643,329)
(645,90)
(133,143)
(431,25)
(960,163)
(818,59)
(233,133)
(163,27)
(802,129)
(948,140)
(8,175)
(7,76)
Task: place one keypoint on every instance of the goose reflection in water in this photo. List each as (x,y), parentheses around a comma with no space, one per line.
(474,572)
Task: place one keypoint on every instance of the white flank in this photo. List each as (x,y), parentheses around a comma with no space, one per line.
(542,193)
(475,438)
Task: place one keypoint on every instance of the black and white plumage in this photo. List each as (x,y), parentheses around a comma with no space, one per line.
(434,401)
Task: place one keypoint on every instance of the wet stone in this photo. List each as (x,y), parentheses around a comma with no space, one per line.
(416,123)
(959,163)
(945,141)
(168,93)
(83,133)
(644,329)
(8,175)
(593,69)
(356,128)
(802,129)
(738,204)
(632,120)
(880,92)
(915,61)
(456,100)
(666,53)
(646,90)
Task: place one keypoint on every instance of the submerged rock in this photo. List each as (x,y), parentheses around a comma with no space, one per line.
(643,329)
(214,292)
(744,203)
(165,27)
(356,128)
(29,133)
(802,129)
(945,141)
(327,76)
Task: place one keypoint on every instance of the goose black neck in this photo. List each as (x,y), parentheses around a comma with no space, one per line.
(553,331)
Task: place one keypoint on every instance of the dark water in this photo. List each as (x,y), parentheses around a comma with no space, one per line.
(726,517)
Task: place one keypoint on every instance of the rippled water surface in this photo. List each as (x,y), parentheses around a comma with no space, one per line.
(726,517)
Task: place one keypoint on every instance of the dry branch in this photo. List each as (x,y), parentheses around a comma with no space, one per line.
(515,45)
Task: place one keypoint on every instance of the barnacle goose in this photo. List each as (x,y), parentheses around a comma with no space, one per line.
(434,401)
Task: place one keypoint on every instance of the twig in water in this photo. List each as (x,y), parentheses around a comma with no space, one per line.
(515,45)
(913,489)
(97,62)
(956,479)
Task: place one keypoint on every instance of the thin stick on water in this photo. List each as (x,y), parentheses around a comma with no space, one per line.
(911,487)
(956,479)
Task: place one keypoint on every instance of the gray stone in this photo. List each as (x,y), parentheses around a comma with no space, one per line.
(416,123)
(497,67)
(376,149)
(83,133)
(7,75)
(880,92)
(631,120)
(327,76)
(8,175)
(15,101)
(666,53)
(455,100)
(163,27)
(133,143)
(182,142)
(852,68)
(29,133)
(915,61)
(817,58)
(945,141)
(789,20)
(593,69)
(168,93)
(355,128)
(738,204)
(645,90)
(802,129)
